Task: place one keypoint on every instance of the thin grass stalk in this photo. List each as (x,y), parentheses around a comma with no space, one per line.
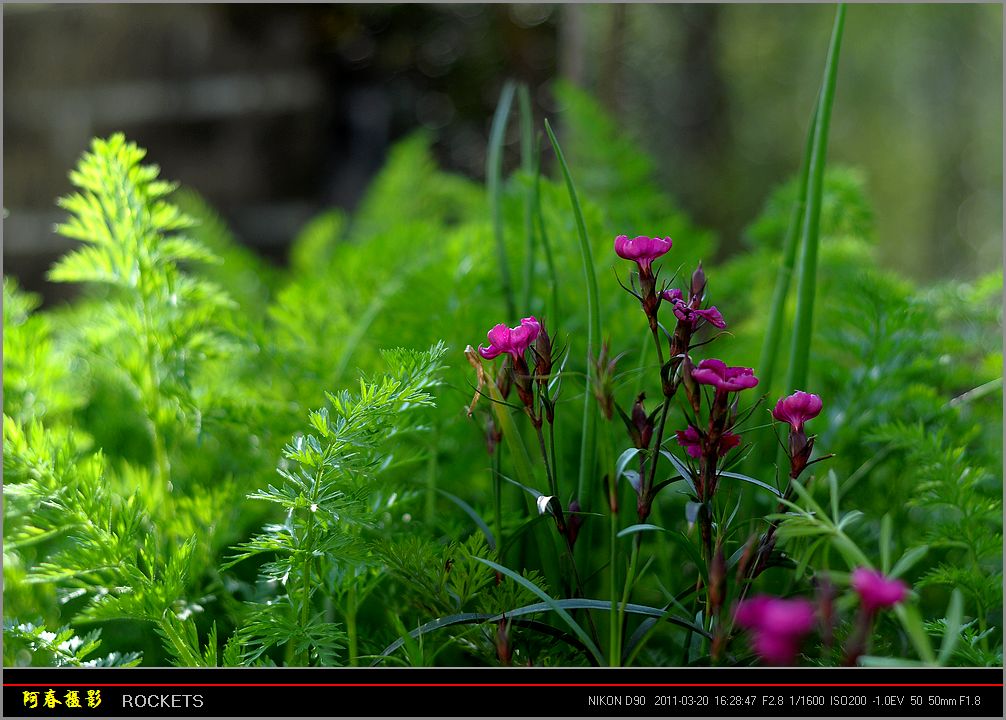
(630,580)
(552,302)
(525,476)
(497,463)
(494,187)
(614,648)
(351,633)
(807,278)
(777,310)
(527,165)
(589,426)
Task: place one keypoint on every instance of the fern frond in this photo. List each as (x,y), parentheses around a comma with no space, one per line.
(62,648)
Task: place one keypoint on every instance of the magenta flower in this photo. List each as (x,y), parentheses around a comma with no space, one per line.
(691,441)
(693,317)
(711,315)
(724,379)
(643,250)
(777,626)
(876,591)
(673,296)
(514,341)
(797,409)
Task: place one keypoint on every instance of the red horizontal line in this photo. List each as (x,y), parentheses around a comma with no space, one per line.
(531,685)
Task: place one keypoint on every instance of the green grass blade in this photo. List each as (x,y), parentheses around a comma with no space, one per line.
(911,622)
(777,310)
(511,436)
(471,512)
(657,614)
(807,278)
(527,165)
(588,450)
(552,605)
(552,303)
(544,540)
(494,186)
(952,630)
(677,538)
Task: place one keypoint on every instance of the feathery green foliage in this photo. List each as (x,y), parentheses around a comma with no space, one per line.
(159,472)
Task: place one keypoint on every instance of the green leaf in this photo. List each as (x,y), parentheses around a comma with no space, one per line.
(552,604)
(911,621)
(681,467)
(566,604)
(470,512)
(494,186)
(807,277)
(527,163)
(777,309)
(833,494)
(878,661)
(588,460)
(908,560)
(808,500)
(952,631)
(674,536)
(748,479)
(885,544)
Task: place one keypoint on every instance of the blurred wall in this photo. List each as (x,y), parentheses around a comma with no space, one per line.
(722,94)
(274,112)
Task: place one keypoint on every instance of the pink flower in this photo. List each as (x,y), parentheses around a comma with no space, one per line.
(728,441)
(514,341)
(711,315)
(643,250)
(777,626)
(775,649)
(797,409)
(673,296)
(724,379)
(876,591)
(693,317)
(691,441)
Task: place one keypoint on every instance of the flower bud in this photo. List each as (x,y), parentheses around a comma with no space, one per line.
(504,646)
(611,490)
(744,563)
(642,423)
(825,593)
(574,523)
(604,379)
(543,356)
(493,436)
(504,378)
(691,386)
(698,286)
(717,580)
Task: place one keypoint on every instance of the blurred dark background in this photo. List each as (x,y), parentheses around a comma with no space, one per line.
(275,112)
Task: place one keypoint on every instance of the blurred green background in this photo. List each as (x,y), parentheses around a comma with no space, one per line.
(277,112)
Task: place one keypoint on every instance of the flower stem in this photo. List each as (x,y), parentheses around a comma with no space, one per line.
(351,623)
(494,172)
(552,486)
(660,352)
(630,579)
(551,447)
(498,499)
(658,441)
(614,647)
(305,600)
